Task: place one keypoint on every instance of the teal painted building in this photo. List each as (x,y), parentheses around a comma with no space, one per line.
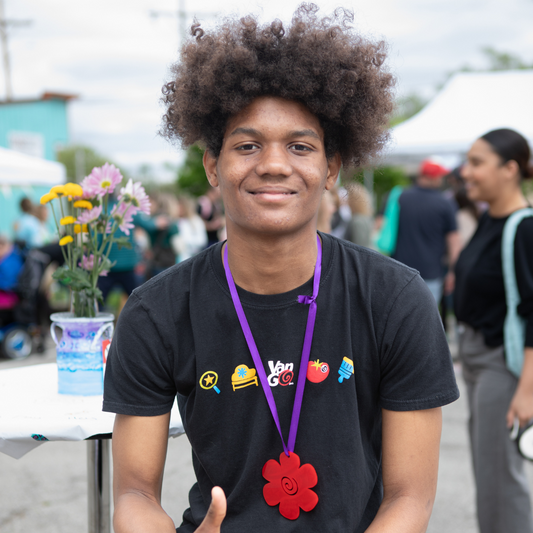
(36,127)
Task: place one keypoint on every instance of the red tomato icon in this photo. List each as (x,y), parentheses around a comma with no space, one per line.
(317,371)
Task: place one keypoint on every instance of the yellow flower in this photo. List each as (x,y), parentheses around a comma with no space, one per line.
(65,240)
(45,198)
(85,204)
(73,189)
(58,189)
(80,228)
(67,220)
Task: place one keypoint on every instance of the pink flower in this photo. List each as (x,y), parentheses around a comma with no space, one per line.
(87,263)
(101,180)
(123,213)
(135,194)
(290,485)
(90,215)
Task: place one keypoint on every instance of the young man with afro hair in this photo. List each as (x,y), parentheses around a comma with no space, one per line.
(309,372)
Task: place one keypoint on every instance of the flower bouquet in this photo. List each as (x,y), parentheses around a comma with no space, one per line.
(87,219)
(86,228)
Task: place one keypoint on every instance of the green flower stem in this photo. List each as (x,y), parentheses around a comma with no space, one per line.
(58,232)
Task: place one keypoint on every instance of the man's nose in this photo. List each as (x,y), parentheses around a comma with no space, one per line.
(274,161)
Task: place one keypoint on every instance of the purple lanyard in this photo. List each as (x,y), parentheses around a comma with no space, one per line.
(308,340)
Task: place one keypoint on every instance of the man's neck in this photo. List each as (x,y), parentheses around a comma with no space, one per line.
(272,265)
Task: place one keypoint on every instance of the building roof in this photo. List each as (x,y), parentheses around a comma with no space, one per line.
(49,95)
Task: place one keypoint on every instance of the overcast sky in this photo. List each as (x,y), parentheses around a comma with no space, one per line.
(115,55)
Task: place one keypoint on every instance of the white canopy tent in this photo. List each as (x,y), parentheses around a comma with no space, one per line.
(468,106)
(21,169)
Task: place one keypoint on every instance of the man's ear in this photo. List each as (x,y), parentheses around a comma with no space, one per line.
(334,167)
(210,166)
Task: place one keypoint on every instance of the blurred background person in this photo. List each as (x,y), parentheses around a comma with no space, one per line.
(192,236)
(211,210)
(496,166)
(467,216)
(326,211)
(27,228)
(361,223)
(11,262)
(161,227)
(42,214)
(342,214)
(427,229)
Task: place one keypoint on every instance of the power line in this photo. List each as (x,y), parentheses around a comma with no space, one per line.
(182,15)
(4,24)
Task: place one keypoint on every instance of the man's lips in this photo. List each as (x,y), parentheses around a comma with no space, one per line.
(272,191)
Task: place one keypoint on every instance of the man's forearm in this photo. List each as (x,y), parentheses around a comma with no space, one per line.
(135,513)
(403,514)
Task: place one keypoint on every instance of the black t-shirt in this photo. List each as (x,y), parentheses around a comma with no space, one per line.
(426,217)
(179,334)
(479,289)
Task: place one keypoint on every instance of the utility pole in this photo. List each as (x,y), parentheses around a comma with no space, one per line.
(5,50)
(182,16)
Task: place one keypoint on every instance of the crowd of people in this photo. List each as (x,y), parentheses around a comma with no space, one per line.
(178,227)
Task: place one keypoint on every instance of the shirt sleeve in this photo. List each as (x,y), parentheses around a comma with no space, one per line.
(416,366)
(138,378)
(451,219)
(524,274)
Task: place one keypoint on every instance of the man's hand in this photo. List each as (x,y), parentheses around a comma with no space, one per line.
(215,514)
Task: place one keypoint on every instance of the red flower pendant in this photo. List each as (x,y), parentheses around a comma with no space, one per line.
(290,485)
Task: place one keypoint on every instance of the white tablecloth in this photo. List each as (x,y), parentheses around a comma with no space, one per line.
(31,408)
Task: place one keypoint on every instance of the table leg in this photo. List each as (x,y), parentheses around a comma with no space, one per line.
(98,493)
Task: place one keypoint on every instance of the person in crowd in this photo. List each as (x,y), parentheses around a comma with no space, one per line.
(361,225)
(28,227)
(427,229)
(496,166)
(192,236)
(42,213)
(326,210)
(11,262)
(467,216)
(161,227)
(211,209)
(242,329)
(341,216)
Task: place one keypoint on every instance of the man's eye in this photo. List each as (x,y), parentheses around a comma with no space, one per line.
(248,146)
(300,148)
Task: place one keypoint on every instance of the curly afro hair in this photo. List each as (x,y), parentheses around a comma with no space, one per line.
(321,62)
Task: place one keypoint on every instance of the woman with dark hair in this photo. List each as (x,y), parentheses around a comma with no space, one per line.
(240,330)
(498,393)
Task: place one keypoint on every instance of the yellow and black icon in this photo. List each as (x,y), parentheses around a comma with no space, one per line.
(209,381)
(244,377)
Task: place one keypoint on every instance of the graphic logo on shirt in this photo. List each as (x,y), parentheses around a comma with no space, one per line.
(209,381)
(346,369)
(317,371)
(280,374)
(244,377)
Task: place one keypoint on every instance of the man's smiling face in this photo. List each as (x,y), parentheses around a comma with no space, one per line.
(272,168)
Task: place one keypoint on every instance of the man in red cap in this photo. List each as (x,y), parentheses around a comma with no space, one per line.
(427,229)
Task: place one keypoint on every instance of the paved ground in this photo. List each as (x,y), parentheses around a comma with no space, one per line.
(46,489)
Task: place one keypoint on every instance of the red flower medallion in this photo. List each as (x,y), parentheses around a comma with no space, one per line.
(290,485)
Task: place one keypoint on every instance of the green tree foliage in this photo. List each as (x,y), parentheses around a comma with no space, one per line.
(79,160)
(406,107)
(191,175)
(385,178)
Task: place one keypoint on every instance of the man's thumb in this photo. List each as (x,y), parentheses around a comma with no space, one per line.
(216,512)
